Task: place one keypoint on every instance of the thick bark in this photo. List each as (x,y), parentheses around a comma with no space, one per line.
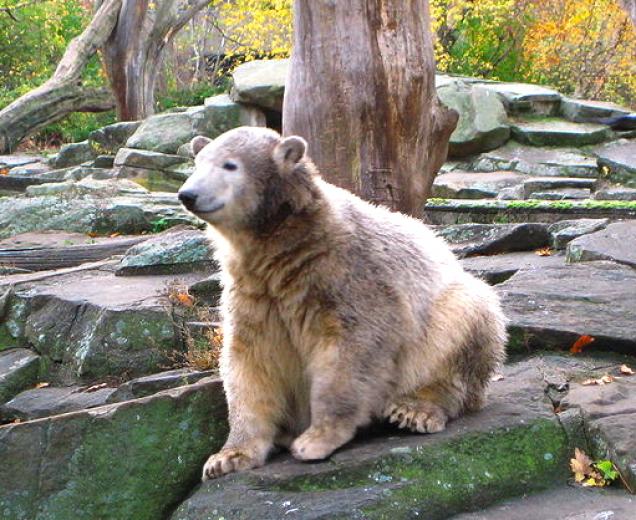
(361,90)
(63,92)
(132,55)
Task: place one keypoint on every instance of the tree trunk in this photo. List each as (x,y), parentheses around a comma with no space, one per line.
(63,92)
(361,90)
(133,53)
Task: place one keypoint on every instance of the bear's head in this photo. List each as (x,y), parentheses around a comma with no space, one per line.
(247,178)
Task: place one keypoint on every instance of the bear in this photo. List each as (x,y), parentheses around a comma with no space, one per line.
(335,312)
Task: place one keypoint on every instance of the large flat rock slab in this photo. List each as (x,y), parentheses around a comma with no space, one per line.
(559,133)
(44,402)
(133,460)
(562,503)
(531,160)
(94,323)
(488,239)
(619,160)
(522,98)
(514,445)
(554,306)
(616,242)
(19,369)
(260,83)
(474,185)
(495,269)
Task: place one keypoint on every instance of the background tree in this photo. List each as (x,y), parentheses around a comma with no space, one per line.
(361,90)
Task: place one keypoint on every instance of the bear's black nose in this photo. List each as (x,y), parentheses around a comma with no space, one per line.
(188,199)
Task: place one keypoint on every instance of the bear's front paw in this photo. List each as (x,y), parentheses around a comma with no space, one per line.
(228,461)
(315,444)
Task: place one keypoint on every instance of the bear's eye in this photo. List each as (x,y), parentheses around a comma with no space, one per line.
(230,166)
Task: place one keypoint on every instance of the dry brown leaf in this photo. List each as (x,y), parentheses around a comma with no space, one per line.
(4,171)
(92,234)
(581,465)
(96,387)
(606,379)
(578,346)
(42,385)
(625,370)
(497,377)
(544,251)
(115,235)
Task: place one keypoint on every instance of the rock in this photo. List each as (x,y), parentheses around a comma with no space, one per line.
(534,185)
(45,402)
(19,369)
(579,110)
(149,385)
(618,160)
(127,215)
(260,83)
(165,133)
(615,242)
(488,239)
(109,139)
(512,193)
(73,154)
(147,159)
(521,98)
(487,211)
(208,290)
(553,306)
(610,417)
(548,162)
(561,503)
(482,124)
(615,193)
(495,269)
(153,170)
(468,185)
(177,250)
(29,170)
(93,324)
(129,460)
(567,230)
(11,161)
(511,446)
(87,185)
(559,133)
(562,194)
(104,161)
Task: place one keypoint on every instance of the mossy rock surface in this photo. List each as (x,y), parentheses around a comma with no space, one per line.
(133,460)
(515,445)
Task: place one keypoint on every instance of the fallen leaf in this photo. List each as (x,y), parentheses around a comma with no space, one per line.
(544,251)
(604,380)
(185,299)
(626,370)
(92,234)
(115,235)
(96,387)
(4,171)
(497,377)
(42,385)
(578,346)
(581,465)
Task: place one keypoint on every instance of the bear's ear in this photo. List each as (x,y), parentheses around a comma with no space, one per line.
(288,152)
(199,143)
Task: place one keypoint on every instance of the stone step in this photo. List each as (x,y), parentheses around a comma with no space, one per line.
(19,369)
(537,161)
(91,323)
(54,250)
(44,402)
(507,185)
(513,446)
(616,242)
(552,306)
(556,132)
(487,211)
(617,160)
(135,459)
(562,503)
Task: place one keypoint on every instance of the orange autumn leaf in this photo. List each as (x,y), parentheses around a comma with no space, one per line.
(578,346)
(4,171)
(544,251)
(42,385)
(185,299)
(114,235)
